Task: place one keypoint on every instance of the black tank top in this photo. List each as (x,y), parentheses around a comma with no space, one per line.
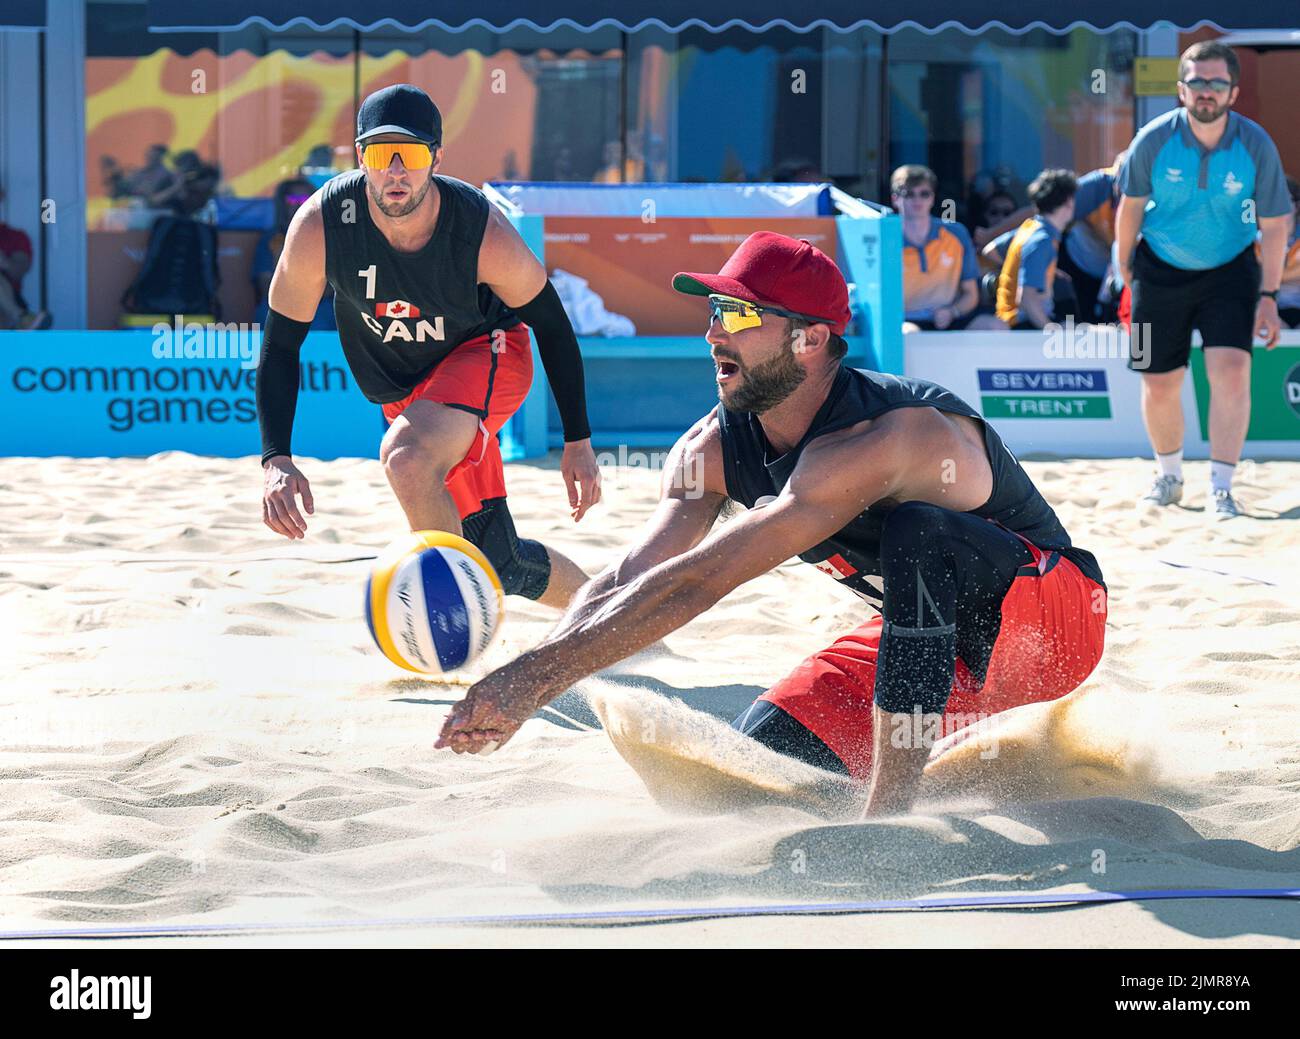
(852,554)
(399,314)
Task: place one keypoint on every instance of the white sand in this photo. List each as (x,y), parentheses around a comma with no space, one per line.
(196,729)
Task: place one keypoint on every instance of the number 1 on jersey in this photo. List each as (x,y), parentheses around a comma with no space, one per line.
(369,274)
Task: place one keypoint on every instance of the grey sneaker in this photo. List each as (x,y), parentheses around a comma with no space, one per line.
(1223,506)
(1165,490)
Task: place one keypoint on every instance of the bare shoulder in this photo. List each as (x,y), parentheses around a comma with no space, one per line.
(307,227)
(695,462)
(299,279)
(506,263)
(907,454)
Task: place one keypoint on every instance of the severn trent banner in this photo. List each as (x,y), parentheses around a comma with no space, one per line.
(1072,393)
(91,394)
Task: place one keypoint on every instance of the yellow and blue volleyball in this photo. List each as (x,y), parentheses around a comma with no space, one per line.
(433,602)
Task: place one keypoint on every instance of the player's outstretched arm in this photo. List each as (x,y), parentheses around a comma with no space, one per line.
(831,485)
(692,493)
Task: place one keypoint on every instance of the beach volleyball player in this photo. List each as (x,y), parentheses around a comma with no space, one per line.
(896,488)
(431,288)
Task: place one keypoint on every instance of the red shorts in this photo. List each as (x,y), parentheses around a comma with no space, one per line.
(490,384)
(1052,634)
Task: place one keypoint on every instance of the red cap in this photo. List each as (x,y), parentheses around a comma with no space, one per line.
(778,271)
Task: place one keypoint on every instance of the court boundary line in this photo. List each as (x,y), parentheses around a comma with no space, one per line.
(615,917)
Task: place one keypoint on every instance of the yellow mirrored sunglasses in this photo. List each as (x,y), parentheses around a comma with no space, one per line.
(415,155)
(738,314)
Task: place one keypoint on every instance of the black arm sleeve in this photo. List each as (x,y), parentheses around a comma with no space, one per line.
(561,358)
(277,381)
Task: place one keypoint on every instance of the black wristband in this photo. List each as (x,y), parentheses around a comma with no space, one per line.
(561,358)
(277,382)
(1270,293)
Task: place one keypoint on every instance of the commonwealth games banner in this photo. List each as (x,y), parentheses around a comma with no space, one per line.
(172,388)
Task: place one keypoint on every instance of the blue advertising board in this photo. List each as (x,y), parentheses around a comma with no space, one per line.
(91,394)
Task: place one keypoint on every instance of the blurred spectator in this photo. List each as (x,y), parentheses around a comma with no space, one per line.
(799,171)
(1029,254)
(1088,241)
(621,162)
(1288,296)
(999,207)
(153,176)
(319,165)
(1001,213)
(321,156)
(289,196)
(192,187)
(985,187)
(113,177)
(15,262)
(940,289)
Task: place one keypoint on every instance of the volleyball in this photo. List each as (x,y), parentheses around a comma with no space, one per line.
(433,602)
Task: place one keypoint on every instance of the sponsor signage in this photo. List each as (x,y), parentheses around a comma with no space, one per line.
(1055,393)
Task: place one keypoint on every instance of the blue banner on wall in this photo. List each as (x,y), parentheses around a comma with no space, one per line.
(89,394)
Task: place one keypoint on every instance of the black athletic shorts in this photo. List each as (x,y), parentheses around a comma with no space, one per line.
(1169,302)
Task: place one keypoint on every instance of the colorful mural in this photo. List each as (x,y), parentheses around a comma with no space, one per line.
(258,117)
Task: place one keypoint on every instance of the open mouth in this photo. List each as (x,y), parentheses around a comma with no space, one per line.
(726,369)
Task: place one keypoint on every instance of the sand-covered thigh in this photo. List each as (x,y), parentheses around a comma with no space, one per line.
(196,727)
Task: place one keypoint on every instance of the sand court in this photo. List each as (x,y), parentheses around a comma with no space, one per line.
(197,730)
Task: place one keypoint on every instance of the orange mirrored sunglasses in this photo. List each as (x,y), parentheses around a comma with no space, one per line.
(415,155)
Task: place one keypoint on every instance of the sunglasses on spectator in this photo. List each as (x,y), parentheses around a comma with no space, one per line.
(1219,86)
(295,200)
(415,155)
(915,193)
(738,314)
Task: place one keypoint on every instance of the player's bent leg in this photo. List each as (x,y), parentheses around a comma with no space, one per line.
(945,575)
(960,565)
(566,578)
(424,443)
(525,567)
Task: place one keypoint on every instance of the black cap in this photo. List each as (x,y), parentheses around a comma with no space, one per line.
(400,108)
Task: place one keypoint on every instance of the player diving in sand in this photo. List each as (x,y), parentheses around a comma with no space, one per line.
(431,284)
(894,487)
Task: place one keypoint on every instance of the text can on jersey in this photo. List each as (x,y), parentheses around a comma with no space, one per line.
(433,602)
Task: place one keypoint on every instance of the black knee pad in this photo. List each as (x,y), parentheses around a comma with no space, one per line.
(522,565)
(766,723)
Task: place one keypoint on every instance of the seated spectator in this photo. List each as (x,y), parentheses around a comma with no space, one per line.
(939,265)
(1029,253)
(1088,240)
(1288,296)
(1001,213)
(193,186)
(113,177)
(289,196)
(15,262)
(153,176)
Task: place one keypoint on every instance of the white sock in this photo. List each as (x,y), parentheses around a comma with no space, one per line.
(1171,464)
(1221,475)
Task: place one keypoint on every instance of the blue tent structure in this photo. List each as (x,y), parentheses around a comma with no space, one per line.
(720,15)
